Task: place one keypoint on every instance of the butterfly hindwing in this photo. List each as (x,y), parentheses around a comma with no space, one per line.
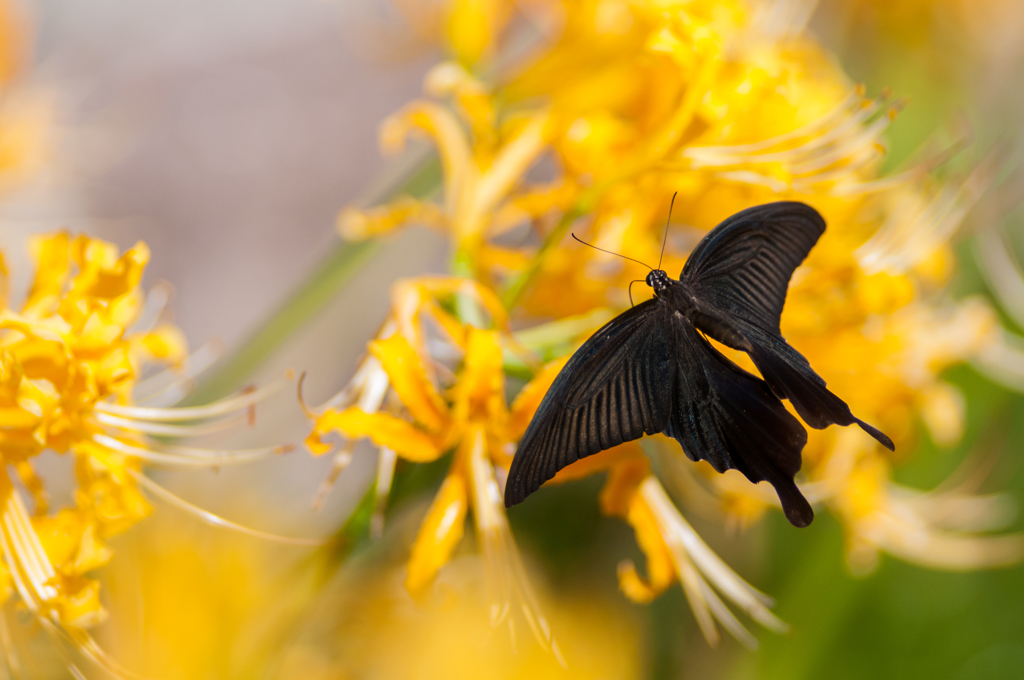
(740,274)
(615,388)
(730,418)
(791,377)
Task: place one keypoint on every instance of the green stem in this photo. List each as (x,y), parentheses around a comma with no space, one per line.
(328,278)
(520,283)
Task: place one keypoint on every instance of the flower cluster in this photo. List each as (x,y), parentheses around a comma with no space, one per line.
(470,417)
(729,104)
(71,359)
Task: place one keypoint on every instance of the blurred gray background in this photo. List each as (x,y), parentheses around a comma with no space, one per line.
(227,135)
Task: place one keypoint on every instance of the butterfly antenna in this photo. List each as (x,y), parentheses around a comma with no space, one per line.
(667,222)
(610,252)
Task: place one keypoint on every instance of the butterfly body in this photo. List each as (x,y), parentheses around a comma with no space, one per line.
(653,370)
(681,298)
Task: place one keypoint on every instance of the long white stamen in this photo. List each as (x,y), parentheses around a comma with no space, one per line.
(165,430)
(724,616)
(782,19)
(864,138)
(172,384)
(685,545)
(216,520)
(339,463)
(754,178)
(725,579)
(692,584)
(38,562)
(375,387)
(506,575)
(27,552)
(184,457)
(1002,272)
(900,533)
(959,512)
(702,157)
(348,394)
(152,310)
(841,174)
(916,228)
(12,556)
(386,461)
(807,130)
(1002,361)
(874,186)
(217,408)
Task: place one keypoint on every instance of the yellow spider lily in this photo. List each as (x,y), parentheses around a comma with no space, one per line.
(70,363)
(729,104)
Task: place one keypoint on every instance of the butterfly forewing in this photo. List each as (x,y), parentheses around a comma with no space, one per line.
(616,388)
(744,265)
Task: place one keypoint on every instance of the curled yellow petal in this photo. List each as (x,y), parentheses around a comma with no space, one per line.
(626,472)
(409,379)
(480,392)
(441,531)
(473,27)
(409,296)
(71,542)
(441,125)
(357,225)
(166,343)
(512,162)
(52,257)
(476,103)
(100,274)
(660,570)
(532,203)
(78,603)
(453,328)
(407,440)
(498,259)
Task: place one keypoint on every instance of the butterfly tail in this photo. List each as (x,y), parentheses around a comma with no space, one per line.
(796,508)
(790,376)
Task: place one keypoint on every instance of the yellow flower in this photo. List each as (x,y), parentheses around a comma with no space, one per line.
(470,419)
(70,362)
(729,104)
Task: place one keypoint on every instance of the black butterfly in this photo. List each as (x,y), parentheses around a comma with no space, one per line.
(651,369)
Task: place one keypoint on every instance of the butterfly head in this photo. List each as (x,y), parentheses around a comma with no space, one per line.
(658,280)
